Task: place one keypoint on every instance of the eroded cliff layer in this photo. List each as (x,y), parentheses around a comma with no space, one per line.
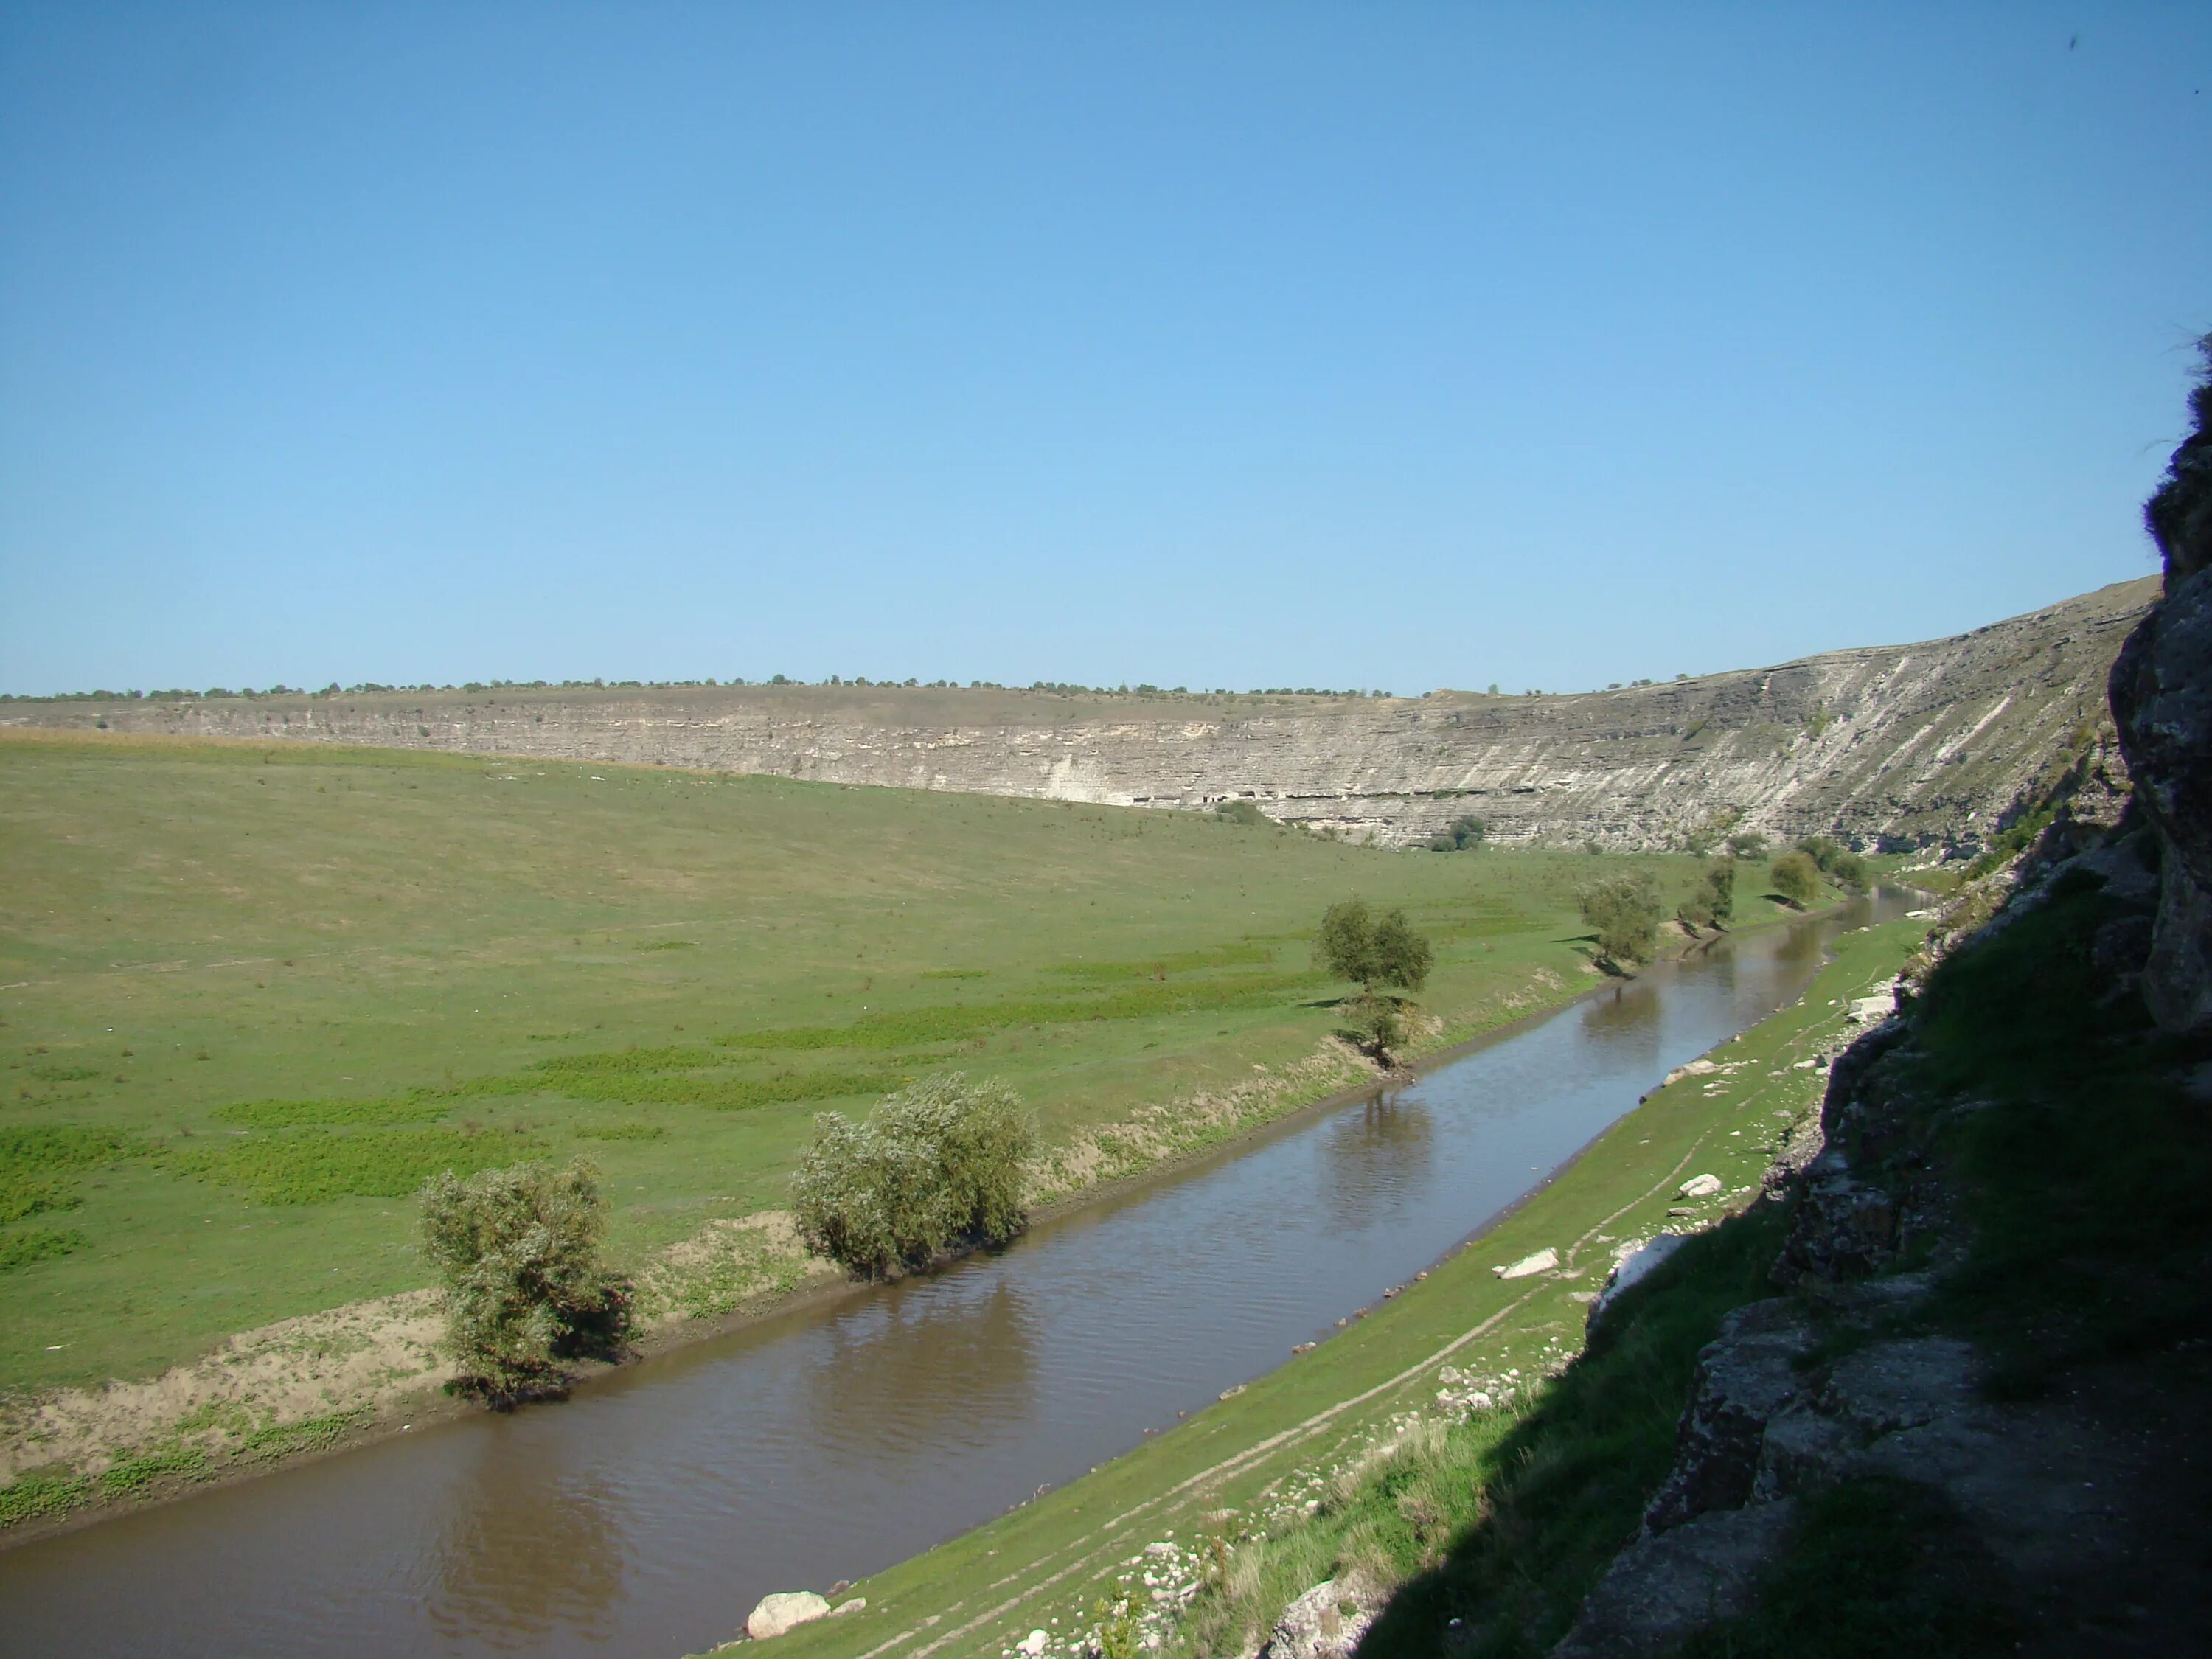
(1913,743)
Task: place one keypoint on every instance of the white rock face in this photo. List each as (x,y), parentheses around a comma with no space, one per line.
(1325,1623)
(1921,742)
(785,1610)
(1529,1266)
(1701,1185)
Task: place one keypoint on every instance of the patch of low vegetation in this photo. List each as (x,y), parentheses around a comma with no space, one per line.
(40,1493)
(416,1106)
(919,1028)
(936,1165)
(132,1477)
(1244,812)
(39,1166)
(630,1131)
(517,1255)
(20,1248)
(315,1166)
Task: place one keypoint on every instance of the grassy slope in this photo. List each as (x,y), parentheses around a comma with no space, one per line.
(191,928)
(1047,1565)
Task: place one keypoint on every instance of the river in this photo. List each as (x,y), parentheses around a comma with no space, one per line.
(645,1515)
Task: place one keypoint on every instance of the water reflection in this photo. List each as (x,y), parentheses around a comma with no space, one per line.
(927,1356)
(534,1543)
(1376,1160)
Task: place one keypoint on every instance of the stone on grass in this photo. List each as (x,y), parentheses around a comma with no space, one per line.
(1700,1186)
(1034,1643)
(785,1610)
(1528,1265)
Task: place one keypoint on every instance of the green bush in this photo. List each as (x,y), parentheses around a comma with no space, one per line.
(1713,900)
(1244,812)
(1624,913)
(1381,949)
(1839,864)
(517,1250)
(1797,878)
(1459,835)
(935,1165)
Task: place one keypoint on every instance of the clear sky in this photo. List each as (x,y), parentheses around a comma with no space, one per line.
(1359,344)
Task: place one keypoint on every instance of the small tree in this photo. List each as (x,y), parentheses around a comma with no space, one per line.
(518,1251)
(939,1164)
(1797,878)
(1244,812)
(1839,864)
(1624,913)
(1713,900)
(1460,834)
(1747,844)
(1374,951)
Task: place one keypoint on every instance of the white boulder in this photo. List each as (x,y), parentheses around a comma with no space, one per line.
(785,1610)
(1703,1186)
(1529,1266)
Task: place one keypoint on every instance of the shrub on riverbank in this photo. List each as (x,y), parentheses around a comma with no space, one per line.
(939,1164)
(518,1251)
(1624,913)
(1797,878)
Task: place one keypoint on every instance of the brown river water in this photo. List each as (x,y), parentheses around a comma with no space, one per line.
(645,1515)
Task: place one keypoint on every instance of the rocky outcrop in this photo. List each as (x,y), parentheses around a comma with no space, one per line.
(1851,1377)
(1325,1623)
(2161,696)
(1889,746)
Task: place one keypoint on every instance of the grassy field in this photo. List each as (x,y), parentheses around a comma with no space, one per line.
(251,995)
(1345,1461)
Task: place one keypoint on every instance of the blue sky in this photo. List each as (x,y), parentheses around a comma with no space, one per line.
(1377,344)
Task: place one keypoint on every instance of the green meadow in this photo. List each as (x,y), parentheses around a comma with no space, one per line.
(252,994)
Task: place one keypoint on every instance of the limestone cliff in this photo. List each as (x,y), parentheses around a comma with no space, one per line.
(1915,744)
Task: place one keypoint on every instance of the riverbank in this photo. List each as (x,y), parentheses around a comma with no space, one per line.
(1138,1532)
(334,1381)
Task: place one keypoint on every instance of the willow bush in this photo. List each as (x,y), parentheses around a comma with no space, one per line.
(518,1250)
(936,1165)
